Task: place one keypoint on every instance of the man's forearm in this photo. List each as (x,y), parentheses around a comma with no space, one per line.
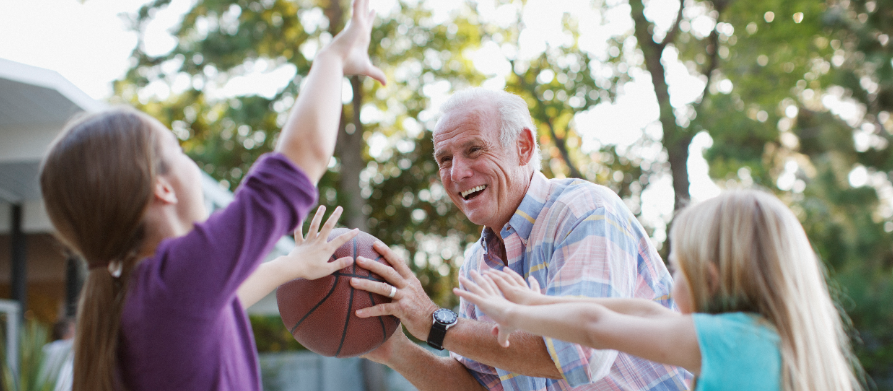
(429,372)
(526,355)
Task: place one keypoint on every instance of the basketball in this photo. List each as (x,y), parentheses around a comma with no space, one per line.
(321,313)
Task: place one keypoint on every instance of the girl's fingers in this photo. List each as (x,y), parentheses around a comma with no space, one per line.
(515,277)
(377,74)
(501,281)
(478,288)
(314,224)
(358,7)
(497,276)
(467,295)
(339,264)
(482,283)
(299,234)
(534,285)
(330,223)
(341,239)
(491,285)
(470,286)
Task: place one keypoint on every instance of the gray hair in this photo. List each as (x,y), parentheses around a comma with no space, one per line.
(513,112)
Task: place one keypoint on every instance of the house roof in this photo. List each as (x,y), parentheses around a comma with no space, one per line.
(35,103)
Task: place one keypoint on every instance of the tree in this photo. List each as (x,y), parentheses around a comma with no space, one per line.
(764,79)
(221,41)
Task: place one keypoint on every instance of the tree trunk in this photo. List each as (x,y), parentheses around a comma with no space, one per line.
(676,139)
(350,153)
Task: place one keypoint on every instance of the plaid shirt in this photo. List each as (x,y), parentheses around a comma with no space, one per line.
(577,239)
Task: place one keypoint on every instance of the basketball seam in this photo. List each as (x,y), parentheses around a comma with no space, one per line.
(384,332)
(334,285)
(349,303)
(371,278)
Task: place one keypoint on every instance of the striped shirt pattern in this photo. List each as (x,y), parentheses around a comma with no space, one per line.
(577,239)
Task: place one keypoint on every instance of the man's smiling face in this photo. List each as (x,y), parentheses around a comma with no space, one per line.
(484,179)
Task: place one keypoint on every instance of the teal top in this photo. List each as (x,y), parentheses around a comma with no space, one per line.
(739,351)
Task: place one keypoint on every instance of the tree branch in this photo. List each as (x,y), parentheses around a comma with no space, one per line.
(559,142)
(671,35)
(713,51)
(562,147)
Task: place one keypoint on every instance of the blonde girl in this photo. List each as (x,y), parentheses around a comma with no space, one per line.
(756,313)
(163,307)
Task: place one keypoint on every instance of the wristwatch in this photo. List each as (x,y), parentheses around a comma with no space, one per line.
(443,320)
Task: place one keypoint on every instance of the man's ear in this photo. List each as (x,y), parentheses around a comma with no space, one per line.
(526,145)
(164,191)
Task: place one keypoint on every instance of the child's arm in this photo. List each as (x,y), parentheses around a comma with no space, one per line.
(668,339)
(308,137)
(309,259)
(515,290)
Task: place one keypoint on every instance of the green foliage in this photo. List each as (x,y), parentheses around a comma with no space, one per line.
(219,40)
(271,336)
(32,337)
(769,65)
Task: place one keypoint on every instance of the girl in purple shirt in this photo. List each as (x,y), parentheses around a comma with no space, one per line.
(163,304)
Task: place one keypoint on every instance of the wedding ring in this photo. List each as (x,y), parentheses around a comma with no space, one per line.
(393,292)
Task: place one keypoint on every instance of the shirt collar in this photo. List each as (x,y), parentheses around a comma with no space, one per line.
(525,216)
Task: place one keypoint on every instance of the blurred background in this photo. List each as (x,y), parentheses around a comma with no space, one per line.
(665,102)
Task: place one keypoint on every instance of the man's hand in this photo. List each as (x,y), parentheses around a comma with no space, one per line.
(410,303)
(391,348)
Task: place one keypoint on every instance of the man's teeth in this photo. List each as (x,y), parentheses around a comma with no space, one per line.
(472,190)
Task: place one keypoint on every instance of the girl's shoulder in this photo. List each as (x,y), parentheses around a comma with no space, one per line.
(735,348)
(743,318)
(734,323)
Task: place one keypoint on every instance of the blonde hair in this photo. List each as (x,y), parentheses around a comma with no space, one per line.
(97,182)
(745,251)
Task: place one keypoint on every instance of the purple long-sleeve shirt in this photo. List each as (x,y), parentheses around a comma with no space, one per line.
(183,328)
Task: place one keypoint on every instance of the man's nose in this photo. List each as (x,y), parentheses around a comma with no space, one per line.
(460,169)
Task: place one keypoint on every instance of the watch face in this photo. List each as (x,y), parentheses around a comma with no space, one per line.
(445,316)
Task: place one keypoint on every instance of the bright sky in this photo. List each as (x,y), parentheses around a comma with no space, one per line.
(88,43)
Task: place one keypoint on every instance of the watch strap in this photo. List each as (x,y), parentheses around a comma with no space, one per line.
(436,335)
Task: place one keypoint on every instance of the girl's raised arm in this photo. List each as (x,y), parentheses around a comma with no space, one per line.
(308,137)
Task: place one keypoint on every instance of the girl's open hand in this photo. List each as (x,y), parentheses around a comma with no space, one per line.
(514,288)
(485,294)
(310,257)
(352,43)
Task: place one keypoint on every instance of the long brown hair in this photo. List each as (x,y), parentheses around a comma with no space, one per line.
(97,182)
(764,264)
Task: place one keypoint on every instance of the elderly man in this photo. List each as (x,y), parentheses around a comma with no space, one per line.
(576,238)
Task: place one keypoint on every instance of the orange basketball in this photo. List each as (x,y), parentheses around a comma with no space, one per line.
(321,313)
